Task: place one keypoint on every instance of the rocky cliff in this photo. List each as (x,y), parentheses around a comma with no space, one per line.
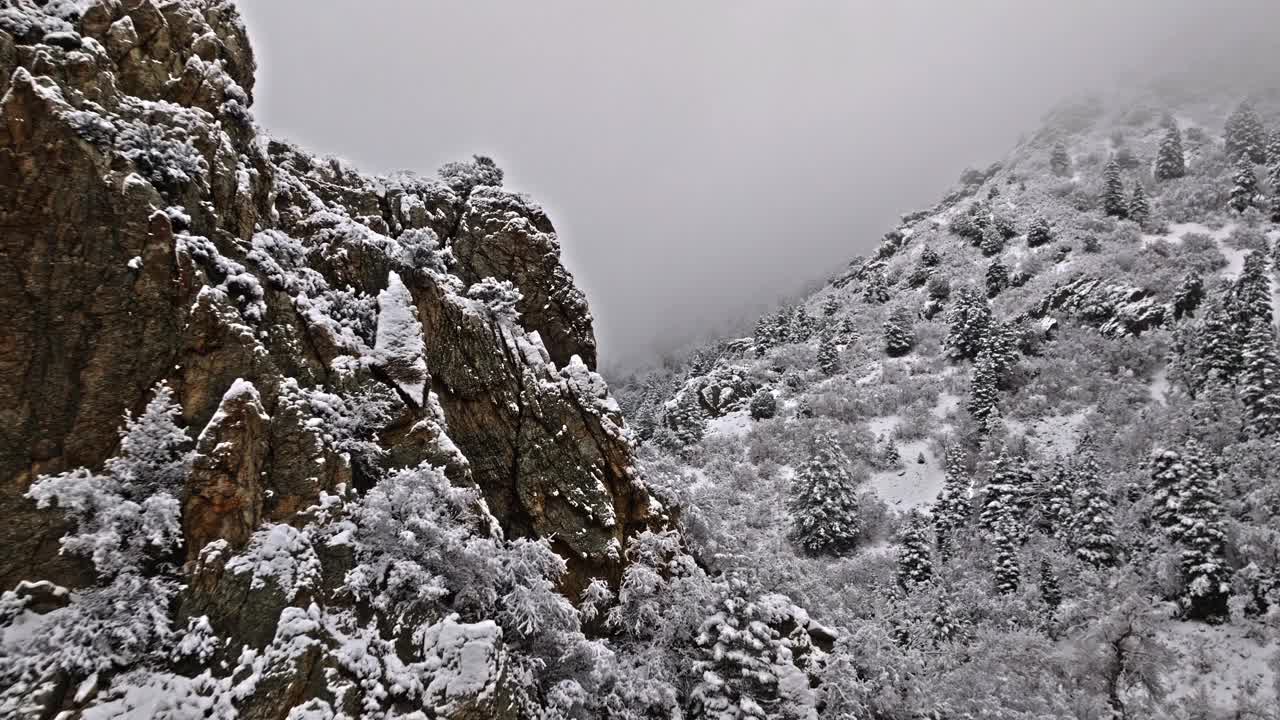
(319,329)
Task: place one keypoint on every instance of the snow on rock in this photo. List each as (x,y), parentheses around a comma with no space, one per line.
(399,348)
(733,424)
(283,554)
(465,660)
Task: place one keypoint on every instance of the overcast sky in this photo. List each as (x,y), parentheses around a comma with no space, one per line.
(702,159)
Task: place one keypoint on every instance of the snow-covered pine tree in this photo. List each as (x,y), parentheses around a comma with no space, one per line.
(1170,473)
(876,288)
(1007,571)
(1059,160)
(1273,157)
(1050,592)
(899,335)
(915,563)
(992,240)
(828,355)
(1001,344)
(890,456)
(830,306)
(1188,296)
(1093,526)
(1244,135)
(1139,206)
(1039,232)
(968,321)
(951,511)
(1006,495)
(802,326)
(929,257)
(686,419)
(997,278)
(1206,574)
(1244,190)
(1250,297)
(763,405)
(1171,161)
(1113,199)
(983,394)
(847,331)
(1057,501)
(765,335)
(1260,379)
(1219,352)
(825,515)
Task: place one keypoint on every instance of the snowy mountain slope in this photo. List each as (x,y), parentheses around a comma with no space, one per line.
(1057,394)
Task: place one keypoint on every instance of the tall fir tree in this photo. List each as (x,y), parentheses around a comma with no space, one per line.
(951,511)
(929,257)
(802,326)
(1250,297)
(687,420)
(1006,496)
(1206,574)
(899,335)
(1260,379)
(1007,570)
(1056,501)
(1139,206)
(1244,191)
(968,321)
(1059,160)
(914,560)
(875,289)
(825,515)
(1171,162)
(992,240)
(984,395)
(1219,354)
(1113,199)
(1169,478)
(1244,135)
(766,335)
(997,278)
(1093,524)
(828,355)
(1039,232)
(830,306)
(1273,156)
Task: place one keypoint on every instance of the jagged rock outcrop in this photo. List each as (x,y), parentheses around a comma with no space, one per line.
(1116,310)
(152,234)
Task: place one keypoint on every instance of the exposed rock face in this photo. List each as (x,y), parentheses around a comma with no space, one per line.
(1116,310)
(151,234)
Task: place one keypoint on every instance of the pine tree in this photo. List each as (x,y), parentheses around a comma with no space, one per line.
(929,257)
(1050,593)
(1093,529)
(1245,190)
(1169,478)
(1188,296)
(1250,297)
(847,331)
(825,516)
(915,563)
(1059,160)
(687,420)
(899,336)
(802,326)
(1171,161)
(1244,135)
(763,405)
(766,334)
(1206,575)
(828,356)
(992,240)
(1039,233)
(983,395)
(876,289)
(1056,501)
(1007,571)
(1220,350)
(1260,379)
(1273,155)
(951,511)
(1113,200)
(1001,344)
(997,278)
(969,321)
(1139,207)
(1005,496)
(889,453)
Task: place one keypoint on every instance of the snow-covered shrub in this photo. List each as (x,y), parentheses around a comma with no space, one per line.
(763,405)
(163,154)
(464,176)
(499,298)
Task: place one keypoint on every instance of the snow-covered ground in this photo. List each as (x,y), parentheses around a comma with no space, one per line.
(1222,660)
(733,424)
(917,484)
(1160,385)
(1053,434)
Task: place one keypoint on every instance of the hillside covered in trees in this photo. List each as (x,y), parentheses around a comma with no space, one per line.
(1024,458)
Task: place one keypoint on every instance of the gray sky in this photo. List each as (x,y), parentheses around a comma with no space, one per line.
(701,159)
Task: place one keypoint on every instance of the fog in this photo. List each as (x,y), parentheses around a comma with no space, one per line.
(703,159)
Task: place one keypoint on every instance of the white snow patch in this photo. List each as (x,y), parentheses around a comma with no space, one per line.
(734,424)
(1160,385)
(1053,434)
(1222,660)
(915,486)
